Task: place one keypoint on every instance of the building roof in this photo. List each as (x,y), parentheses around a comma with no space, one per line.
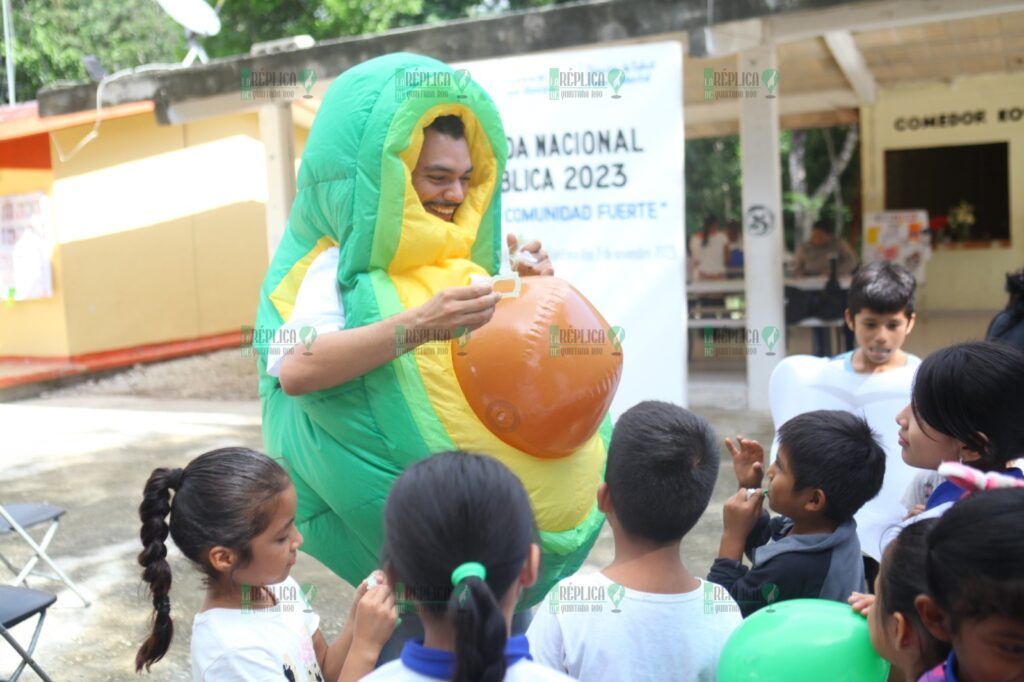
(23,120)
(536,30)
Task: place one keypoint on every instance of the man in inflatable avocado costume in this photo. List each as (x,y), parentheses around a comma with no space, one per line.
(385,186)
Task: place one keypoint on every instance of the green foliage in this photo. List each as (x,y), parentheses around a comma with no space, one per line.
(798,201)
(51,37)
(818,165)
(245,22)
(714,184)
(712,180)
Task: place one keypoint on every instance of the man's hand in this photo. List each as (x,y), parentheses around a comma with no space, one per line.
(458,307)
(747,462)
(535,262)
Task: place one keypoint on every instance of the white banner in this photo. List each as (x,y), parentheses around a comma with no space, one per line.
(26,240)
(595,172)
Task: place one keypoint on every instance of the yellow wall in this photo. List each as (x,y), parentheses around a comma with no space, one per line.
(960,282)
(161,237)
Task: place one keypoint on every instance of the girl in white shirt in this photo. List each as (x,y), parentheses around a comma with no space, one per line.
(459,545)
(233,515)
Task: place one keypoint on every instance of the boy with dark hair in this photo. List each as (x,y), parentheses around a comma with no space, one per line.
(828,465)
(645,616)
(872,381)
(880,313)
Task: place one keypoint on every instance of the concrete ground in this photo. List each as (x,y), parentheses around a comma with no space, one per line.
(90,448)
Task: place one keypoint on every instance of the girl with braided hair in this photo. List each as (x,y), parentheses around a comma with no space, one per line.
(232,514)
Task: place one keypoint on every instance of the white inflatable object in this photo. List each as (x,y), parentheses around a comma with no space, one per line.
(803,383)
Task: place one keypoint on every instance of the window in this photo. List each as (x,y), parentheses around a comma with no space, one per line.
(964,188)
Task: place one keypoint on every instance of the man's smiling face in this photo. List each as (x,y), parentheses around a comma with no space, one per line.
(442,173)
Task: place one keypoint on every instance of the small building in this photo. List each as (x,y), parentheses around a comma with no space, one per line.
(158,233)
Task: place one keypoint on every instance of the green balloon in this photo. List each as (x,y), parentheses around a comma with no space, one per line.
(802,639)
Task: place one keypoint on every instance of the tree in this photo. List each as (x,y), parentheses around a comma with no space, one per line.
(808,158)
(712,180)
(244,22)
(52,36)
(805,206)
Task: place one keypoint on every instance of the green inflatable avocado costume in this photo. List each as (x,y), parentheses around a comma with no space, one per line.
(346,445)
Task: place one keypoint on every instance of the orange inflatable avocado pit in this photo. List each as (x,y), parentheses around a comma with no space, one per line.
(541,374)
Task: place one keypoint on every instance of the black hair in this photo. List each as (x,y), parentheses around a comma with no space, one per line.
(974,392)
(222,498)
(446,510)
(823,225)
(975,554)
(662,467)
(837,452)
(883,287)
(710,220)
(903,578)
(450,125)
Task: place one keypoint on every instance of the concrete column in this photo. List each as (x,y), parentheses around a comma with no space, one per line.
(278,134)
(762,225)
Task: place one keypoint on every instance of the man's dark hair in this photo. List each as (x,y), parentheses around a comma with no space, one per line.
(452,126)
(837,452)
(823,225)
(884,287)
(662,467)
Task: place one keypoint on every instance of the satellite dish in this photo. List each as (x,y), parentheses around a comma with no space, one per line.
(194,15)
(199,19)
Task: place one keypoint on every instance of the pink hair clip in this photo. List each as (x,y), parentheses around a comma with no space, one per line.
(973,480)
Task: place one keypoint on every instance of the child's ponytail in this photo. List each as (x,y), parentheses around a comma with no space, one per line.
(156,505)
(480,630)
(461,520)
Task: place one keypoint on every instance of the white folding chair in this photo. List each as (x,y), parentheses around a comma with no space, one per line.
(16,518)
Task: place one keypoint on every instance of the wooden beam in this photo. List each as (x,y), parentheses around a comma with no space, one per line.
(853,65)
(799,103)
(815,119)
(882,14)
(277,130)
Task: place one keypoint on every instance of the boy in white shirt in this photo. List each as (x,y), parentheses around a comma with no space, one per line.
(645,616)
